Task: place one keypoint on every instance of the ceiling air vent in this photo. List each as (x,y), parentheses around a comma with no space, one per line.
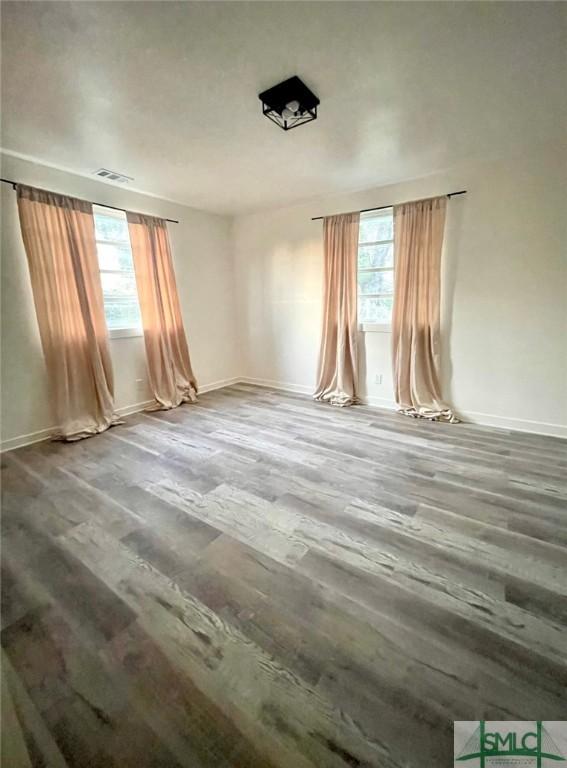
(119,178)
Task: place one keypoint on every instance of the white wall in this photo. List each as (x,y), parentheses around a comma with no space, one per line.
(204,268)
(258,315)
(504,291)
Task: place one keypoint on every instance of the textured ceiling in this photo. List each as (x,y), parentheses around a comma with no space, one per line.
(166,92)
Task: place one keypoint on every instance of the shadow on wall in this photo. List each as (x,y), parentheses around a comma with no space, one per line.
(293,321)
(362,365)
(449,271)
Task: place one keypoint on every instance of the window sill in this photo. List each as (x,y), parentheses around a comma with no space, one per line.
(124,333)
(375,328)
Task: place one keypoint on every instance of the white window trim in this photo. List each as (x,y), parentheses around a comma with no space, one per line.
(376,327)
(130,331)
(124,333)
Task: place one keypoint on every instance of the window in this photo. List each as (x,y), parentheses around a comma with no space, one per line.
(376,270)
(121,306)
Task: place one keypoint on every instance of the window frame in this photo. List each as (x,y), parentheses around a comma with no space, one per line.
(366,327)
(127,331)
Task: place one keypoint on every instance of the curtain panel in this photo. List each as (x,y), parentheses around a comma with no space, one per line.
(418,242)
(169,366)
(338,365)
(59,240)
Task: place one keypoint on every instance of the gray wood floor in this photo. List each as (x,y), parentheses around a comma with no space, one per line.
(260,580)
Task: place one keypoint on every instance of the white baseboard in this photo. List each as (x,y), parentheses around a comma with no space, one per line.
(304,389)
(379,402)
(44,434)
(219,384)
(516,425)
(298,389)
(472,417)
(21,440)
(126,410)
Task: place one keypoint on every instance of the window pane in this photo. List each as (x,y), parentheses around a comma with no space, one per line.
(122,313)
(375,256)
(116,257)
(375,310)
(121,284)
(373,228)
(376,282)
(111,227)
(121,307)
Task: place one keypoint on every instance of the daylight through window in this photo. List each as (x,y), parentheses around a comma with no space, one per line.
(376,267)
(121,306)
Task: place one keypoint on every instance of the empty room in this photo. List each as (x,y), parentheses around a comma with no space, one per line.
(283,384)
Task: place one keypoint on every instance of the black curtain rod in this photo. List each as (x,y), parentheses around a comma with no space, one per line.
(383,207)
(102,205)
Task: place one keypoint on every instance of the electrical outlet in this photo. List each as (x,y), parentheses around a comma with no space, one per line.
(378,378)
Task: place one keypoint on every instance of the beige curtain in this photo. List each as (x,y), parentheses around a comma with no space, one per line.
(169,367)
(418,240)
(338,370)
(59,239)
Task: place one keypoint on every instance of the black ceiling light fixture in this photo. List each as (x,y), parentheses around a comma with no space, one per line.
(289,104)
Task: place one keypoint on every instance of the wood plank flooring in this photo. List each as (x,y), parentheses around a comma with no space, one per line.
(258,580)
